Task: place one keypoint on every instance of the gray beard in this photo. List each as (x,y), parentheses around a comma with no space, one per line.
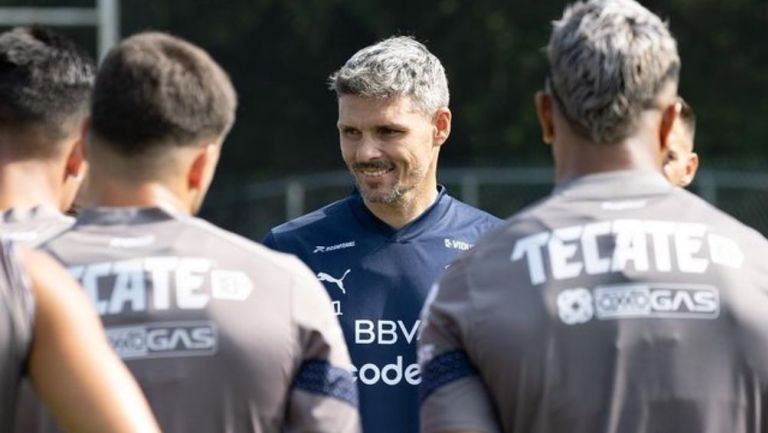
(393,196)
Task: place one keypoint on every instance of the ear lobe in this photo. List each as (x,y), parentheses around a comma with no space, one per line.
(543,103)
(691,167)
(442,125)
(197,170)
(76,164)
(202,166)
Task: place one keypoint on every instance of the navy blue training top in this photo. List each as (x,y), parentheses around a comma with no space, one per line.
(378,278)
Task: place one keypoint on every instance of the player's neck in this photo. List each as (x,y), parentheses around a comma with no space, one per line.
(24,185)
(577,157)
(114,193)
(412,206)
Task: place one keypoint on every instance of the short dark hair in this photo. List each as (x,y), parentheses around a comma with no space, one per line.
(45,79)
(154,89)
(687,116)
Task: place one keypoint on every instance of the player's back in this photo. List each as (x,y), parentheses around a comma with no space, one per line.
(618,305)
(222,334)
(16,323)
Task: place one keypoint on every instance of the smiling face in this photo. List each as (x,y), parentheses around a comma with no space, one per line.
(391,147)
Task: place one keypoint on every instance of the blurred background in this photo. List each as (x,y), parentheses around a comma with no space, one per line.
(282,158)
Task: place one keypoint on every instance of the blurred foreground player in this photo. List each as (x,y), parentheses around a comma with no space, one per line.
(49,332)
(620,303)
(45,85)
(379,250)
(222,334)
(681,162)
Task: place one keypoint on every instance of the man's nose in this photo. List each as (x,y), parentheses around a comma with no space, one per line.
(368,148)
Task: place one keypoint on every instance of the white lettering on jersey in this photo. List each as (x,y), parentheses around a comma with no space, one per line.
(623,301)
(389,374)
(385,331)
(339,282)
(129,287)
(190,276)
(164,339)
(181,282)
(455,244)
(530,248)
(640,245)
(329,248)
(230,285)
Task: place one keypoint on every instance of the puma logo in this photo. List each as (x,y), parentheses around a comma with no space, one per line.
(322,276)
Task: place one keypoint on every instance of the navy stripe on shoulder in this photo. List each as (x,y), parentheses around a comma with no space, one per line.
(443,370)
(320,377)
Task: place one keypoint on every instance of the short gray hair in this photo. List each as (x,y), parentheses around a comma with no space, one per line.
(398,66)
(608,60)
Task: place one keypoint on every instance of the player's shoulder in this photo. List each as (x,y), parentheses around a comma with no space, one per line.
(326,218)
(469,214)
(235,245)
(525,221)
(718,220)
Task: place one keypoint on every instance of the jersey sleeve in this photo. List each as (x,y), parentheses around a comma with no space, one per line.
(269,241)
(452,394)
(18,303)
(324,394)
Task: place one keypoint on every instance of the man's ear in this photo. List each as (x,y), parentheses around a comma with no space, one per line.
(442,125)
(203,166)
(668,118)
(543,103)
(76,165)
(690,168)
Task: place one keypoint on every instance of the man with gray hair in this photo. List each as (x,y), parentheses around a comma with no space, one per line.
(379,250)
(620,303)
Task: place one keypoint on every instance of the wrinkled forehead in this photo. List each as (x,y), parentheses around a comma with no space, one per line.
(355,109)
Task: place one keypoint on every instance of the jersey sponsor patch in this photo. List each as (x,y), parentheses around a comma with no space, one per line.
(329,248)
(605,247)
(627,301)
(159,283)
(164,339)
(455,244)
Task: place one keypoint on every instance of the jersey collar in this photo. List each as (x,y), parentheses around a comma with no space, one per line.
(37,213)
(423,223)
(132,215)
(623,183)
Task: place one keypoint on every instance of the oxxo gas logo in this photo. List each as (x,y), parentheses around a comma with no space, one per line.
(164,339)
(684,301)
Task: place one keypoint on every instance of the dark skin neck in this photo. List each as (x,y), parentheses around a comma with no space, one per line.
(576,155)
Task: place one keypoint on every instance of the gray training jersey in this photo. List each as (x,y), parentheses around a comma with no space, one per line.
(222,334)
(33,226)
(16,326)
(619,304)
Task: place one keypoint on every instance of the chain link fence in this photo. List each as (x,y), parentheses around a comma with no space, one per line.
(252,209)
